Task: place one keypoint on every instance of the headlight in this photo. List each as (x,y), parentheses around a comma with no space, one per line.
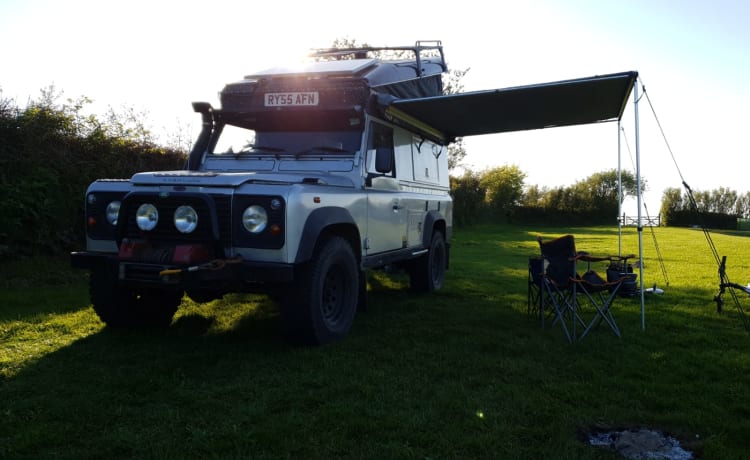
(185,219)
(147,216)
(254,219)
(113,210)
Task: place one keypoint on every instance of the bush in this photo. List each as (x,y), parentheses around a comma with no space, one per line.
(49,155)
(469,206)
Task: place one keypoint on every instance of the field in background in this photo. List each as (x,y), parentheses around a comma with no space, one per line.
(462,373)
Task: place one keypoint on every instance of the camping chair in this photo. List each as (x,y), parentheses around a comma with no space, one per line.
(534,291)
(557,284)
(567,291)
(600,294)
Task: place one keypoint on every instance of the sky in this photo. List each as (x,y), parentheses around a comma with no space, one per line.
(159,56)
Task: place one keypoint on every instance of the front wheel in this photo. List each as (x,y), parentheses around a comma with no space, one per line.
(324,302)
(427,273)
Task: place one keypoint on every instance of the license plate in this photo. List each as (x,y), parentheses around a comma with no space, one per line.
(291,99)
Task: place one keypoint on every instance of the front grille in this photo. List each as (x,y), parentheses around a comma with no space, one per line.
(224,217)
(214,218)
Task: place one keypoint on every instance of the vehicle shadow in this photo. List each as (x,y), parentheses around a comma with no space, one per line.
(214,375)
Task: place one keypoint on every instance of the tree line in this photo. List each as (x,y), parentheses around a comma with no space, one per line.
(718,208)
(500,193)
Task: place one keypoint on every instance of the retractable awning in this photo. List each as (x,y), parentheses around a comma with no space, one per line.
(564,103)
(596,99)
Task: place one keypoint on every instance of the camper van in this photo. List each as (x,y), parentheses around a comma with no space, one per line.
(301,181)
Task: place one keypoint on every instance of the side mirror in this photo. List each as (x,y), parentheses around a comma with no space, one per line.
(383,160)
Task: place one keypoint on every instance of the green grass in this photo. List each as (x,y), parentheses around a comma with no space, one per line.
(462,373)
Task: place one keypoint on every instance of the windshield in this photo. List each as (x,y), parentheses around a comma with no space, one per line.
(240,141)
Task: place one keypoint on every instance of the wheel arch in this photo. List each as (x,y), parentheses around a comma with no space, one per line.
(435,221)
(328,221)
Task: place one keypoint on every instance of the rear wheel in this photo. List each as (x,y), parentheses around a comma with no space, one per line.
(427,273)
(324,302)
(122,307)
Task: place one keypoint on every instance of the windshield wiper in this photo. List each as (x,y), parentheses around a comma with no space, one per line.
(255,148)
(260,150)
(321,149)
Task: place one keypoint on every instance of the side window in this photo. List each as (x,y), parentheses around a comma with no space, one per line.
(380,157)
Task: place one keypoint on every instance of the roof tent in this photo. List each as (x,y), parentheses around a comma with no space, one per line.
(339,83)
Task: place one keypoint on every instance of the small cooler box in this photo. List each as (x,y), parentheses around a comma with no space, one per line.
(617,270)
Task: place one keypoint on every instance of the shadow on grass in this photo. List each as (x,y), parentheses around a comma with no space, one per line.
(738,233)
(411,362)
(23,303)
(192,325)
(222,382)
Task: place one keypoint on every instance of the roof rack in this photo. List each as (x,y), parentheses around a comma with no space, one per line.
(361,52)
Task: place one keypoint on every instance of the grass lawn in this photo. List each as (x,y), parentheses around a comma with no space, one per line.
(462,373)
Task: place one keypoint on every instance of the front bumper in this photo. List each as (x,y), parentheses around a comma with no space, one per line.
(218,274)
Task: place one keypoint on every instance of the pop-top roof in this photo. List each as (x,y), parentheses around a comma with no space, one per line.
(348,67)
(414,72)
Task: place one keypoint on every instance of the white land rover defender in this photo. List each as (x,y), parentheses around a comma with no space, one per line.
(300,182)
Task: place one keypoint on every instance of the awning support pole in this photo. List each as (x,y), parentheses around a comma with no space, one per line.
(638,195)
(619,190)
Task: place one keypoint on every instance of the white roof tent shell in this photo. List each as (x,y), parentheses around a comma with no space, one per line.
(596,99)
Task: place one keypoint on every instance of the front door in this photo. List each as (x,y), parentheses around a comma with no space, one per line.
(386,212)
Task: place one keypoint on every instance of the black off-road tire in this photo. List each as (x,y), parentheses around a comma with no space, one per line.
(121,307)
(427,273)
(323,302)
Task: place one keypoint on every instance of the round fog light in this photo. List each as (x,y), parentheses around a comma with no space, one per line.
(146,217)
(185,219)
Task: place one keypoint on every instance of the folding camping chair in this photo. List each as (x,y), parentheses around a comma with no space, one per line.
(557,284)
(567,292)
(534,292)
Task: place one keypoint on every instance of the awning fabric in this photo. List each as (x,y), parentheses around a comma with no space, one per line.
(564,103)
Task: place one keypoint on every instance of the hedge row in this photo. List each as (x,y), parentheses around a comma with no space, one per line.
(706,219)
(45,168)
